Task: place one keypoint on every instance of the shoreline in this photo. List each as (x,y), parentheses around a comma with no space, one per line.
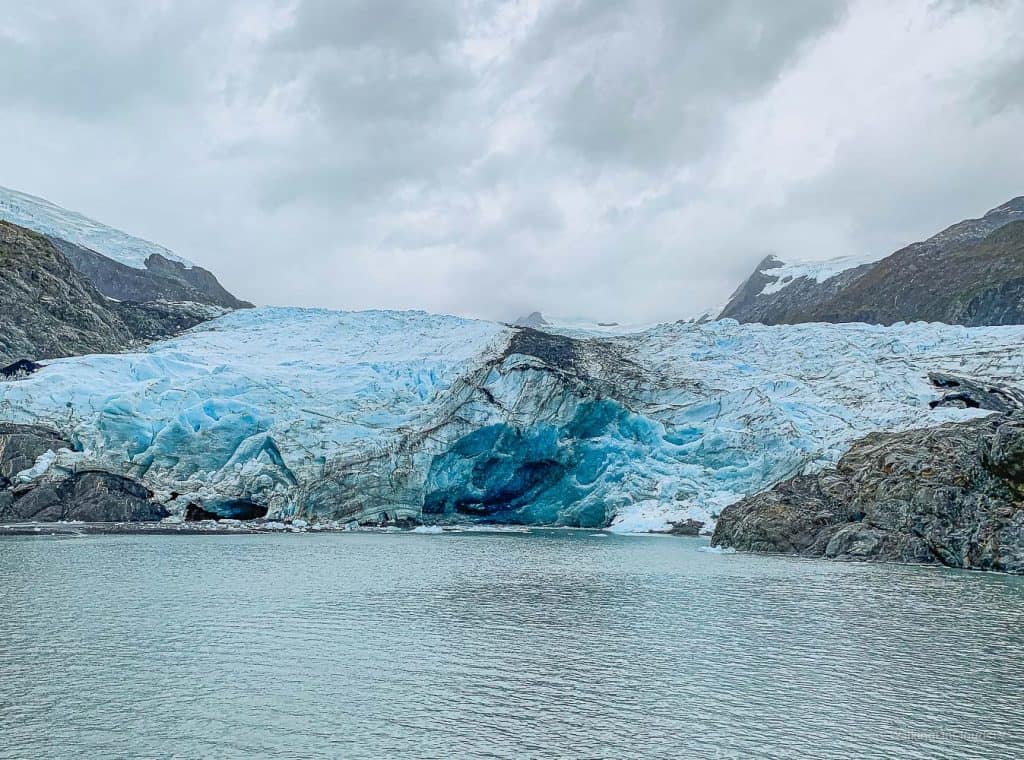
(237,527)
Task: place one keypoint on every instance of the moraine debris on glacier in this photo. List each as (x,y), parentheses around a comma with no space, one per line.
(406,415)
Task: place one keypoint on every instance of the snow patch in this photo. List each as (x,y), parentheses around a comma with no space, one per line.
(819,271)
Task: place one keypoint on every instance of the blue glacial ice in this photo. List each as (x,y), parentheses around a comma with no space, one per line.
(353,415)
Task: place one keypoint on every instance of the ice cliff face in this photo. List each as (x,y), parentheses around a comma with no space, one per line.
(354,415)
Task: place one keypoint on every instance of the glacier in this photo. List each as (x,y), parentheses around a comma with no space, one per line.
(389,415)
(49,219)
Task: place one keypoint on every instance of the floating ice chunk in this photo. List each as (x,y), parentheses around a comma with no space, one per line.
(656,516)
(643,517)
(430,529)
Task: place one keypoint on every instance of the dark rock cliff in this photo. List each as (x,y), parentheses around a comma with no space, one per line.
(49,310)
(952,494)
(90,496)
(161,280)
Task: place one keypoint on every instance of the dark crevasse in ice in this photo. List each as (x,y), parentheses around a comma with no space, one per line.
(237,509)
(241,509)
(543,474)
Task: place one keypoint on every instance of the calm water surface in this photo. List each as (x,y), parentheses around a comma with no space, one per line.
(552,644)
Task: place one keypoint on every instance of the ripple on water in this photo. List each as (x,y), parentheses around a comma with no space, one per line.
(552,644)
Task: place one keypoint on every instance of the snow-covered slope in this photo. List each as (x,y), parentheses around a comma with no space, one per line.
(350,415)
(42,216)
(786,272)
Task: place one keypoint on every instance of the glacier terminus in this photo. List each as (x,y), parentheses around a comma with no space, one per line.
(389,415)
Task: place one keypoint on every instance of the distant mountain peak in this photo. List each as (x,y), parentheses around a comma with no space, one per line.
(533,319)
(970,273)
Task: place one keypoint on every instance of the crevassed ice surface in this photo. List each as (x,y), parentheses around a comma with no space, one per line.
(255,402)
(348,415)
(50,219)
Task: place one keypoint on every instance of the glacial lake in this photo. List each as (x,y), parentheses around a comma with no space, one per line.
(549,644)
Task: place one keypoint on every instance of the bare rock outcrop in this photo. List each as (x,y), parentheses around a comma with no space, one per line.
(48,309)
(90,496)
(952,494)
(87,495)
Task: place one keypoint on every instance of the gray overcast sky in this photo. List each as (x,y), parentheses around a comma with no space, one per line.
(626,160)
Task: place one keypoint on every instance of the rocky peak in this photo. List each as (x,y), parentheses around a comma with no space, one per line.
(972,230)
(161,279)
(534,319)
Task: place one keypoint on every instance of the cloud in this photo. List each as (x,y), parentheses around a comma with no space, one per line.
(645,83)
(626,160)
(93,61)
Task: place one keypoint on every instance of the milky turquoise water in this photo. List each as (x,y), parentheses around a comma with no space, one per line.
(551,644)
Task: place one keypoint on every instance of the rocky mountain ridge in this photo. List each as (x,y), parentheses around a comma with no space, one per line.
(49,310)
(119,265)
(971,273)
(162,279)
